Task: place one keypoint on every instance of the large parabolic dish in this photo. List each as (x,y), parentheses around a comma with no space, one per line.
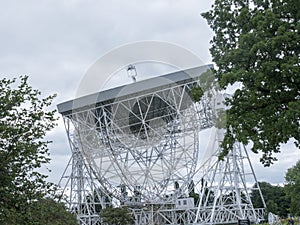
(142,139)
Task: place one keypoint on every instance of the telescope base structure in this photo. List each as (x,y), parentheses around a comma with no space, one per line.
(81,191)
(226,187)
(172,215)
(138,146)
(221,196)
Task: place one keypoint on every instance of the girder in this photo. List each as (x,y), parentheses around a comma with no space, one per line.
(141,150)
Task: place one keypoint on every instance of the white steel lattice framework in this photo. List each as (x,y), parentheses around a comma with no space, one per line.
(226,187)
(138,145)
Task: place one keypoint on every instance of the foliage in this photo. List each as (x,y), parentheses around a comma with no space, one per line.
(208,81)
(49,212)
(116,216)
(192,193)
(97,196)
(24,122)
(257,43)
(293,188)
(197,93)
(275,197)
(42,212)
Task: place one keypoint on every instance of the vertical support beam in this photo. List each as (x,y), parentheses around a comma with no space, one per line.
(236,174)
(227,179)
(85,194)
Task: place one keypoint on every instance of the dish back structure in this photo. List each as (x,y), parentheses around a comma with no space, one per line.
(137,145)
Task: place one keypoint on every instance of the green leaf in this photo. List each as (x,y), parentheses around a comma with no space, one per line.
(257,43)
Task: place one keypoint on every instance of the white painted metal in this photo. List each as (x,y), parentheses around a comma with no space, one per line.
(142,150)
(147,154)
(82,192)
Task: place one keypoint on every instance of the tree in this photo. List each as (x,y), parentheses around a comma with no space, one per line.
(116,216)
(275,197)
(47,211)
(257,44)
(192,193)
(292,188)
(24,122)
(197,93)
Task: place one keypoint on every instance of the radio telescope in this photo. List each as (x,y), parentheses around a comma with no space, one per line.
(140,140)
(137,145)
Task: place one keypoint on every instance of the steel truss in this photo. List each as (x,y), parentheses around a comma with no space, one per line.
(226,187)
(142,151)
(81,192)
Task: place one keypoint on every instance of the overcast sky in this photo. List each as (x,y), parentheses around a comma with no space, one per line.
(55,42)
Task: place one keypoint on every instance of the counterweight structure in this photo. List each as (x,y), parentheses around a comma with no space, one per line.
(138,145)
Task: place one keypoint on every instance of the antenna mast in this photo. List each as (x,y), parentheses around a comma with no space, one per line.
(131,71)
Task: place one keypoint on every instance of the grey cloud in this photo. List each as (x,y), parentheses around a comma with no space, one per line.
(55,42)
